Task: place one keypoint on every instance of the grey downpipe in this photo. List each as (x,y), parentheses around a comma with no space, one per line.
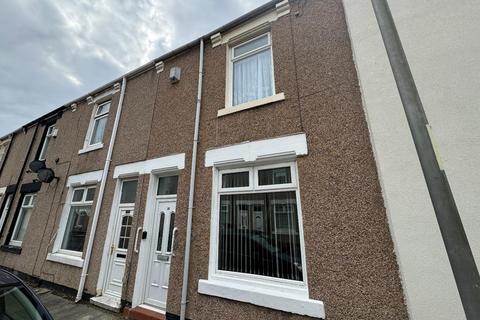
(101,192)
(186,262)
(456,243)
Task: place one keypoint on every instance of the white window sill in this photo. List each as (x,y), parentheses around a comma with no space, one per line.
(251,104)
(65,259)
(15,243)
(261,296)
(91,148)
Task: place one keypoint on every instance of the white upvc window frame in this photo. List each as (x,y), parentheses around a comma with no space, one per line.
(229,106)
(88,146)
(69,256)
(251,280)
(232,59)
(46,141)
(30,205)
(8,198)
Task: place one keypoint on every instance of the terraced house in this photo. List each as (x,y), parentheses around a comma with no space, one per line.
(232,178)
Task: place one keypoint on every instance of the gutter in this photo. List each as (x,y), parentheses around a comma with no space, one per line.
(150,65)
(101,192)
(186,262)
(456,243)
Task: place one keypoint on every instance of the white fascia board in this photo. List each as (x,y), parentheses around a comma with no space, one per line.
(281,147)
(262,297)
(85,178)
(162,164)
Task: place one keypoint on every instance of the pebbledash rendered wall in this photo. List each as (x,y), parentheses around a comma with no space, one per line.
(351,264)
(350,259)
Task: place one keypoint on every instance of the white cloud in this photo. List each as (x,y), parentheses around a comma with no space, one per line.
(53,51)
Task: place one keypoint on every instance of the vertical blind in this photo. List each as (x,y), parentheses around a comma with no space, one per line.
(259,235)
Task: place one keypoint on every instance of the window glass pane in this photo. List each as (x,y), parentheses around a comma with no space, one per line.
(26,200)
(22,224)
(235,179)
(259,235)
(167,185)
(129,191)
(6,207)
(76,228)
(98,130)
(125,232)
(160,231)
(43,153)
(252,77)
(170,232)
(274,176)
(250,46)
(15,304)
(104,108)
(90,194)
(50,130)
(77,195)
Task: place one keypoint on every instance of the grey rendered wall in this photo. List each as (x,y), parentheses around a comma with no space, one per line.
(440,40)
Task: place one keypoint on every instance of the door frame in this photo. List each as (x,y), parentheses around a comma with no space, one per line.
(111,257)
(146,244)
(104,265)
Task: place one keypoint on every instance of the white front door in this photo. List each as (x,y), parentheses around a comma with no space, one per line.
(122,237)
(156,286)
(118,252)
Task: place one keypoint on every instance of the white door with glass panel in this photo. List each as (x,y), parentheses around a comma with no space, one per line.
(122,238)
(161,244)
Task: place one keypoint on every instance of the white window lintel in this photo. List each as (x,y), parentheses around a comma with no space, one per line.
(254,25)
(169,163)
(91,177)
(250,151)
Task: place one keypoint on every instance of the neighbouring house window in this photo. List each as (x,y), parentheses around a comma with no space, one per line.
(252,70)
(3,149)
(99,123)
(21,224)
(78,217)
(46,141)
(6,208)
(258,222)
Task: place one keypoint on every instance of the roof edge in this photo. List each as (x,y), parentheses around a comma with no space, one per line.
(150,65)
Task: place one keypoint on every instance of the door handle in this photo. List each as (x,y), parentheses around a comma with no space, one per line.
(135,247)
(174,232)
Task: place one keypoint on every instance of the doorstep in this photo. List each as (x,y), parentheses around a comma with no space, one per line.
(107,302)
(139,313)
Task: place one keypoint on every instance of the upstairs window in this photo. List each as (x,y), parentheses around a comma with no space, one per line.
(75,229)
(51,131)
(99,123)
(251,70)
(23,218)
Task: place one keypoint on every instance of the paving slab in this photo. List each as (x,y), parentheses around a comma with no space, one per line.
(64,308)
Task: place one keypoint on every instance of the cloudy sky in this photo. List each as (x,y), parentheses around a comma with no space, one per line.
(53,51)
